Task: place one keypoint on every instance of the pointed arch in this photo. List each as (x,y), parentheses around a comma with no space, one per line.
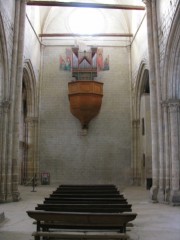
(141,87)
(28,136)
(141,83)
(29,80)
(171,73)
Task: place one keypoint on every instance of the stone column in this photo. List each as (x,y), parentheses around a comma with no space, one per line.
(174,128)
(159,110)
(31,144)
(153,103)
(136,139)
(18,95)
(35,151)
(166,150)
(5,106)
(2,162)
(12,95)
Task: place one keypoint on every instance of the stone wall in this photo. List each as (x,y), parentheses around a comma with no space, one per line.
(104,154)
(32,48)
(139,50)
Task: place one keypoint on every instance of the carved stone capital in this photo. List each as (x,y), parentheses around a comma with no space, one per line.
(173,105)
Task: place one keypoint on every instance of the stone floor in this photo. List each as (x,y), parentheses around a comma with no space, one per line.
(154,221)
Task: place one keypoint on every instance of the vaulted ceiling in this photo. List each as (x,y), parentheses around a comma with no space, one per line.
(71,19)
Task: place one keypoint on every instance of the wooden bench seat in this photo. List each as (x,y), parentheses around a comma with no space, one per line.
(86,191)
(86,195)
(83,211)
(50,220)
(85,200)
(91,190)
(88,186)
(83,220)
(113,208)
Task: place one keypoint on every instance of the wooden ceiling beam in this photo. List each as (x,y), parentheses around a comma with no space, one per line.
(86,35)
(84,5)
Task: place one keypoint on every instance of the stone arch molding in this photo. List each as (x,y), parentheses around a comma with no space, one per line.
(30,84)
(137,92)
(171,73)
(139,85)
(31,122)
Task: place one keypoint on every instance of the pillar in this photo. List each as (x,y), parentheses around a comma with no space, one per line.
(4,111)
(166,150)
(12,99)
(31,123)
(175,162)
(153,103)
(136,139)
(161,189)
(17,101)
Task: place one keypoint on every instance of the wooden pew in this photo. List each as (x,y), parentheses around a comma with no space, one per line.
(91,191)
(58,221)
(85,200)
(83,208)
(113,208)
(88,186)
(86,195)
(84,190)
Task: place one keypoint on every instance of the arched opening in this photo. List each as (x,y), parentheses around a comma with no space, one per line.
(28,126)
(23,136)
(145,133)
(142,155)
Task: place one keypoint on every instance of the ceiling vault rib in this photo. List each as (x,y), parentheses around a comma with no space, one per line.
(85,5)
(86,35)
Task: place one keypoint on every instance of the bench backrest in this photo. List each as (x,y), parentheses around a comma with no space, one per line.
(88,186)
(91,190)
(85,200)
(86,195)
(83,219)
(113,208)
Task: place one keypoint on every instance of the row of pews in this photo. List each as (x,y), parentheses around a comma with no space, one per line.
(83,211)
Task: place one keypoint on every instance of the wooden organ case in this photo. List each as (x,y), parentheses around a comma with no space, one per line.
(85,94)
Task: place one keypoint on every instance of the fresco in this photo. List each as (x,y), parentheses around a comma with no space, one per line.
(101,62)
